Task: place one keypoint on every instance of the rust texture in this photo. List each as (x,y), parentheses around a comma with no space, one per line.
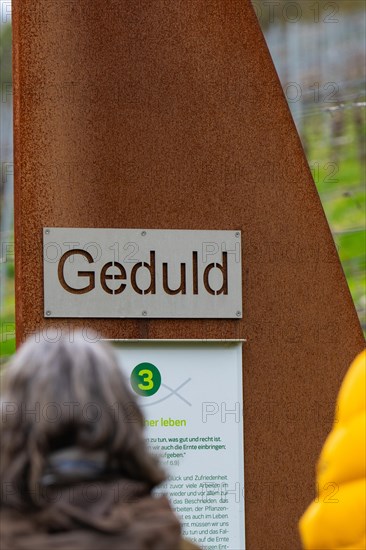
(169,114)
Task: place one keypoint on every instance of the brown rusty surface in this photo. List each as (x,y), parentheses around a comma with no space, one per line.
(169,114)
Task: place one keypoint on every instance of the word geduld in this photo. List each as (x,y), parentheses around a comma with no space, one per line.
(158,277)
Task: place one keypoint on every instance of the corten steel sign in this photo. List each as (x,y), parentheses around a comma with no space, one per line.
(142,273)
(169,114)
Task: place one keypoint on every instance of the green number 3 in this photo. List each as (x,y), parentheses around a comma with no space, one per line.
(148,380)
(145,379)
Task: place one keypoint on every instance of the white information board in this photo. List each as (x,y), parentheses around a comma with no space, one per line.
(191,395)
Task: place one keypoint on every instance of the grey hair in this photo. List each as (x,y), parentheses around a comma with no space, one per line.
(69,392)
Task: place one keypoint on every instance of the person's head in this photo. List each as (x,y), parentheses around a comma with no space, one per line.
(67,394)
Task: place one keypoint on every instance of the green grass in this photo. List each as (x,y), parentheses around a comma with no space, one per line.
(339,174)
(7,318)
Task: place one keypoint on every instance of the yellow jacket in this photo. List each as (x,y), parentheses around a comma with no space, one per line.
(336,518)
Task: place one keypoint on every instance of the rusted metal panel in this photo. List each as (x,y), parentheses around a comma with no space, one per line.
(170,115)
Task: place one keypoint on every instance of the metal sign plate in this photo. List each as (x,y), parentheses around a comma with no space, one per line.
(142,273)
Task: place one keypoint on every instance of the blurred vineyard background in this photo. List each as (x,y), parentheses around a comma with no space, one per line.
(318,48)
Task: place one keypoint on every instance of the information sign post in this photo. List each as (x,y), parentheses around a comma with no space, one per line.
(192,399)
(167,116)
